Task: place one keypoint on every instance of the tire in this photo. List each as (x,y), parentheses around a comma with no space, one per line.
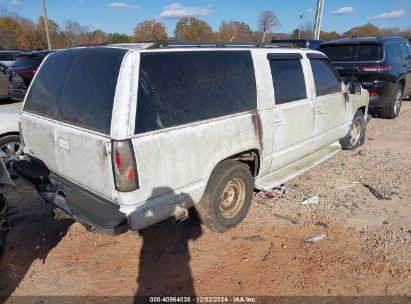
(392,110)
(356,134)
(233,181)
(9,145)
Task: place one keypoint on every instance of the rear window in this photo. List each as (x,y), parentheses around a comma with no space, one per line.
(353,52)
(77,86)
(27,61)
(177,88)
(6,57)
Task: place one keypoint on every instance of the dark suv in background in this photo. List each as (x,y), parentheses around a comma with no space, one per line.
(382,65)
(301,43)
(22,71)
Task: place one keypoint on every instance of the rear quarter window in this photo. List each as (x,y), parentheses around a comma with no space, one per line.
(77,86)
(176,88)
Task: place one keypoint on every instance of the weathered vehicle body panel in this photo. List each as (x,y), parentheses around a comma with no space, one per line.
(174,163)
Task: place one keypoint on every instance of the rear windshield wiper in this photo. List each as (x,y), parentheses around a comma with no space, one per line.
(347,57)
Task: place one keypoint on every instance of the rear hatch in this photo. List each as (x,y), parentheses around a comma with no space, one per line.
(67,114)
(22,71)
(355,61)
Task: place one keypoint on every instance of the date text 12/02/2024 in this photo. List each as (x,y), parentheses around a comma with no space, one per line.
(203,299)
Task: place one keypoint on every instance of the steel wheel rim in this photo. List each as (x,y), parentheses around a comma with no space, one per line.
(9,150)
(232,198)
(397,103)
(355,133)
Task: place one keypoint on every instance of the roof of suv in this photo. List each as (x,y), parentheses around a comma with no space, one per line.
(373,40)
(178,44)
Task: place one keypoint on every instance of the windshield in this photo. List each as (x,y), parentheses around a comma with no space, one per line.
(353,52)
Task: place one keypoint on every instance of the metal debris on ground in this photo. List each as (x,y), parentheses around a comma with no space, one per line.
(316,238)
(276,192)
(375,192)
(325,225)
(249,238)
(269,252)
(311,201)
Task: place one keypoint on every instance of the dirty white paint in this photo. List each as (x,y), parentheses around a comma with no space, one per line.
(174,164)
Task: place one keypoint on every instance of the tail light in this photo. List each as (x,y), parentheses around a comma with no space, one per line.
(372,94)
(28,72)
(124,166)
(375,68)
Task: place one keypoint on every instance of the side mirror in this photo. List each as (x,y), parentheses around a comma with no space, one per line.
(354,88)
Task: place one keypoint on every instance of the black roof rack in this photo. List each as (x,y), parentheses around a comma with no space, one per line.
(185,43)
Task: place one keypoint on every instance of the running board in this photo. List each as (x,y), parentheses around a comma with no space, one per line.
(285,174)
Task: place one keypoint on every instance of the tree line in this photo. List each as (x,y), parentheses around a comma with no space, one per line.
(17,32)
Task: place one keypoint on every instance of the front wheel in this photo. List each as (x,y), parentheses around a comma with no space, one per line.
(356,134)
(227,197)
(9,146)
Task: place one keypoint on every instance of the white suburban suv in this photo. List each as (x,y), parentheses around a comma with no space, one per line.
(124,136)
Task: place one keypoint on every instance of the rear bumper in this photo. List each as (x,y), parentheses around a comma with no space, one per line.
(379,102)
(77,202)
(17,94)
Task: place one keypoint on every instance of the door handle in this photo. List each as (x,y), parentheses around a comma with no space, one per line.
(63,144)
(279,122)
(320,110)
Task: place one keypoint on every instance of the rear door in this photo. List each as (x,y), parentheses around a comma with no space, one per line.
(330,105)
(67,115)
(294,109)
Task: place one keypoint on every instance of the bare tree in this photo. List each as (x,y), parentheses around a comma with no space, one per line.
(267,22)
(73,32)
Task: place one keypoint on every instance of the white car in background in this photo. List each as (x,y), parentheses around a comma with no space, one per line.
(9,131)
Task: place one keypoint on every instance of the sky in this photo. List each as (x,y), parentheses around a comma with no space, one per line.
(123,15)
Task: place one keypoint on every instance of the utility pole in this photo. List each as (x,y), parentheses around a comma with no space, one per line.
(46,24)
(299,27)
(318,17)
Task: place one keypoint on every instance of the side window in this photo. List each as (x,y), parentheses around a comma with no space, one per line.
(288,80)
(176,88)
(404,51)
(393,52)
(325,78)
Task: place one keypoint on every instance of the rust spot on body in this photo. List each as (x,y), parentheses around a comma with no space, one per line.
(258,129)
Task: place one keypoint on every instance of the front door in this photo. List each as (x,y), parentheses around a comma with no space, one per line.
(330,103)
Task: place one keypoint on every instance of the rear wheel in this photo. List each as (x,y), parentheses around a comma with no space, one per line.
(356,134)
(393,109)
(227,197)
